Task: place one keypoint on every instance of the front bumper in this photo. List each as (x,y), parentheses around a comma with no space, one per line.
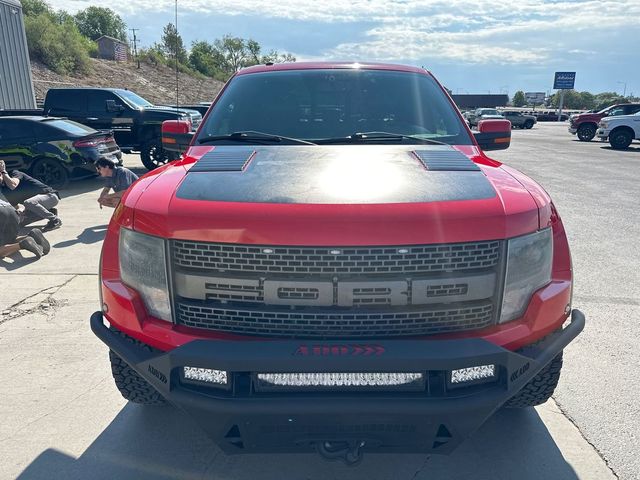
(241,419)
(573,130)
(602,134)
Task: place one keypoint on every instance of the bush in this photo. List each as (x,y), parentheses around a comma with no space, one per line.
(61,47)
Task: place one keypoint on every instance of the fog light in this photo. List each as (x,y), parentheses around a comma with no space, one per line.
(473,373)
(207,375)
(333,380)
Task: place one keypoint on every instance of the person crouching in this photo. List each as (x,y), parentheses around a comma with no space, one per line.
(115,178)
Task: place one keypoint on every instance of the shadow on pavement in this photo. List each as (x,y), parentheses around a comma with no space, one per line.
(16,261)
(162,443)
(87,236)
(632,148)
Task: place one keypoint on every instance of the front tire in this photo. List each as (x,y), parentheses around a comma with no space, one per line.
(540,388)
(528,124)
(153,155)
(620,139)
(131,385)
(586,132)
(50,172)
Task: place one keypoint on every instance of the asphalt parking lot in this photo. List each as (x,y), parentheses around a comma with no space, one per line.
(62,417)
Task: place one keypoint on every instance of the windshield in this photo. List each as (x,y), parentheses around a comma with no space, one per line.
(489,111)
(315,105)
(134,100)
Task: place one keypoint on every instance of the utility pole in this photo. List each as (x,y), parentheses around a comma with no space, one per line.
(135,45)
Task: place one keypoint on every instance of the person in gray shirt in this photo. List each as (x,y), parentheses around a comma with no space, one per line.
(115,178)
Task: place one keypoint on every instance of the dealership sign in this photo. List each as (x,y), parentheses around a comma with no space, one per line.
(534,98)
(564,80)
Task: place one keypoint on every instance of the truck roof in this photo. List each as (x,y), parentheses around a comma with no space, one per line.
(328,65)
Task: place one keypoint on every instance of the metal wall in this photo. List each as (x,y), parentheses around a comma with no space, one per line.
(16,87)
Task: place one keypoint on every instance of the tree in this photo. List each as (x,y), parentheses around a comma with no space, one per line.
(172,44)
(31,8)
(204,58)
(94,22)
(519,99)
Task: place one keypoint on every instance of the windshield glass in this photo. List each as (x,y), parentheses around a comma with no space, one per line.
(489,111)
(134,100)
(69,126)
(323,104)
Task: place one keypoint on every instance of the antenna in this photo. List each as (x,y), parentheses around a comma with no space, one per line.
(176,55)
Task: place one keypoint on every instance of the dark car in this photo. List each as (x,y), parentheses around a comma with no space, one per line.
(54,150)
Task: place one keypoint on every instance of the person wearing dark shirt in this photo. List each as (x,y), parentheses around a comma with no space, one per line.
(116,178)
(38,199)
(10,243)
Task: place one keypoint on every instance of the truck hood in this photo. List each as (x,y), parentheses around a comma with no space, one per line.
(622,118)
(335,195)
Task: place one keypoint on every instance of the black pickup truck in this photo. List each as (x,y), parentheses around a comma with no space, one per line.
(134,121)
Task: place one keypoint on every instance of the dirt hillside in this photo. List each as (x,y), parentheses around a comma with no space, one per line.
(156,83)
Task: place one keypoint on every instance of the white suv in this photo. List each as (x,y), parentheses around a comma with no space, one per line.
(620,130)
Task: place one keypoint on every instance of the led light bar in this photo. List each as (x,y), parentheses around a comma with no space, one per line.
(341,380)
(473,373)
(207,375)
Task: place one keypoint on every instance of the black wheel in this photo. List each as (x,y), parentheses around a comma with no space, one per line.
(131,385)
(620,139)
(540,388)
(528,124)
(586,132)
(153,155)
(50,172)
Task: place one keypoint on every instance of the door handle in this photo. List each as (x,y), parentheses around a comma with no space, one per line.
(92,118)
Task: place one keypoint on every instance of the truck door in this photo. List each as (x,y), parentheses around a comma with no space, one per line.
(106,111)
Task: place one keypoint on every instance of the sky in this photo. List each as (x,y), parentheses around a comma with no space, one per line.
(470,46)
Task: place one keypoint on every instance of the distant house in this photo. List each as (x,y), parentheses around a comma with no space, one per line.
(111,48)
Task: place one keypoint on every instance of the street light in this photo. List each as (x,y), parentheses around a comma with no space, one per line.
(624,94)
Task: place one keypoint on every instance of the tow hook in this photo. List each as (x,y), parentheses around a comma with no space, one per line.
(350,451)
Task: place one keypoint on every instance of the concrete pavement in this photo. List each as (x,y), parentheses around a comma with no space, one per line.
(62,417)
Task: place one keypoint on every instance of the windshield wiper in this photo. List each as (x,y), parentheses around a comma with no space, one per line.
(252,136)
(363,137)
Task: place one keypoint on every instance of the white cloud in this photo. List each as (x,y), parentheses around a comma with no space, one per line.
(523,32)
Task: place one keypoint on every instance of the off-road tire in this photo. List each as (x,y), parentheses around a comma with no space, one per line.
(131,385)
(620,138)
(153,155)
(586,132)
(540,388)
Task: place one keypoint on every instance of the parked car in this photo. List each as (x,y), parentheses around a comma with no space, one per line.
(620,130)
(52,149)
(551,116)
(135,121)
(585,125)
(519,119)
(483,114)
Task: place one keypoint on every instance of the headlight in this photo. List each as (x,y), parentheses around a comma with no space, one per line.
(143,267)
(528,268)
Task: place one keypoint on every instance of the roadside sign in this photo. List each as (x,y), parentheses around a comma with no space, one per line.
(564,80)
(534,98)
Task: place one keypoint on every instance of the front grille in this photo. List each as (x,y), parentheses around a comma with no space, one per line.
(314,324)
(220,257)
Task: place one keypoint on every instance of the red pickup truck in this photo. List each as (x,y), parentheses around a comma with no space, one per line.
(585,125)
(335,265)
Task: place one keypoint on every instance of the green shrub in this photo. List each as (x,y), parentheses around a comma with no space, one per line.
(59,46)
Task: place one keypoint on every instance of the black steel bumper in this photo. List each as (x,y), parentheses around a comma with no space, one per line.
(243,419)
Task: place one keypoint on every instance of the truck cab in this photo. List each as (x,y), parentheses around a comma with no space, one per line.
(134,121)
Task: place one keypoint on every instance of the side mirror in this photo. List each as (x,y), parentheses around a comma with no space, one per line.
(176,135)
(493,134)
(112,107)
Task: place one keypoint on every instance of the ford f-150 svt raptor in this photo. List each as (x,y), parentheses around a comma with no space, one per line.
(335,265)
